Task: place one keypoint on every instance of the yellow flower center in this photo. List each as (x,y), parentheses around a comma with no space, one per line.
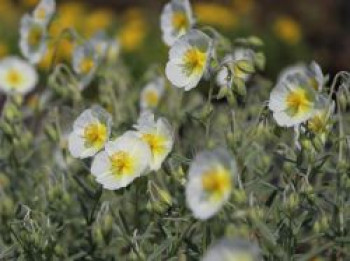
(217,182)
(35,35)
(95,134)
(14,78)
(151,98)
(180,21)
(86,65)
(122,163)
(40,13)
(288,30)
(194,60)
(299,102)
(156,143)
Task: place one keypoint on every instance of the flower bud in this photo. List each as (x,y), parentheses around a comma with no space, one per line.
(239,195)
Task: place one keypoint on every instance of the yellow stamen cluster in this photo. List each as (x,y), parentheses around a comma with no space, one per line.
(156,143)
(151,98)
(194,60)
(217,182)
(180,21)
(299,102)
(95,134)
(14,77)
(122,163)
(86,65)
(35,35)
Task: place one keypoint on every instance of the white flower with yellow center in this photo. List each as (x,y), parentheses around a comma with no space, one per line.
(91,131)
(17,76)
(32,39)
(313,73)
(210,181)
(123,160)
(85,62)
(44,11)
(233,250)
(294,101)
(176,20)
(152,93)
(158,135)
(188,59)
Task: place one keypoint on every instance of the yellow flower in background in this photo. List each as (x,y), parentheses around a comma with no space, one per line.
(287,29)
(46,61)
(63,51)
(243,7)
(215,14)
(98,20)
(29,3)
(4,50)
(8,12)
(70,15)
(134,31)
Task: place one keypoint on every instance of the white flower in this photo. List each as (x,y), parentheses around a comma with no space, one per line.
(17,76)
(233,250)
(188,59)
(210,181)
(85,62)
(91,131)
(32,39)
(230,67)
(152,93)
(44,11)
(158,135)
(313,73)
(123,160)
(176,20)
(294,101)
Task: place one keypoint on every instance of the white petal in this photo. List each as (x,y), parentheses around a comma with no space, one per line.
(77,148)
(101,164)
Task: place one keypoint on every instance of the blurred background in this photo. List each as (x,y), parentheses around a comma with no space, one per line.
(293,31)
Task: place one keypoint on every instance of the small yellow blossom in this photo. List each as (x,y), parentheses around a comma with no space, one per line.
(216,14)
(29,3)
(288,30)
(98,20)
(243,7)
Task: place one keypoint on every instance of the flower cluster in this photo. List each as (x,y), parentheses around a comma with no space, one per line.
(134,153)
